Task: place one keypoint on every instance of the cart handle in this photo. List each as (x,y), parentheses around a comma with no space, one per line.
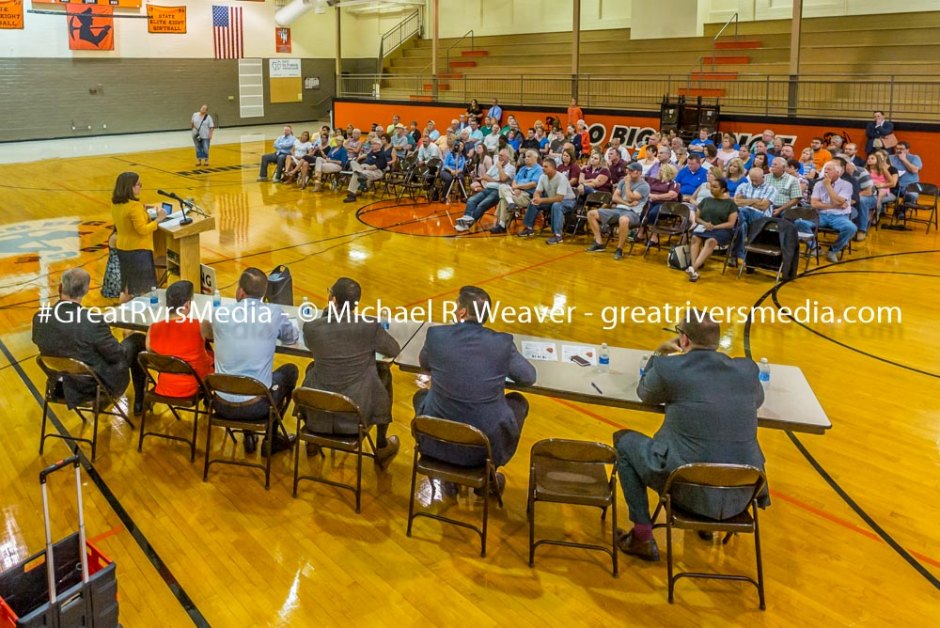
(73,460)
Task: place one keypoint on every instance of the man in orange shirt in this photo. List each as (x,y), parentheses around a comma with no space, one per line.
(820,154)
(574,112)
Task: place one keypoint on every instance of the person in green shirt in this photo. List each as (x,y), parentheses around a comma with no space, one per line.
(712,225)
(487,127)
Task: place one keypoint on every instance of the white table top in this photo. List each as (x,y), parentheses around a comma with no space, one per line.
(789,402)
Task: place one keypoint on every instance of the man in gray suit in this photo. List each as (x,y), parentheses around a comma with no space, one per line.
(343,346)
(469,365)
(711,416)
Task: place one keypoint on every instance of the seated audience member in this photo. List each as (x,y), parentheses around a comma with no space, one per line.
(557,146)
(711,157)
(832,196)
(67,331)
(705,190)
(180,337)
(453,168)
(617,144)
(245,338)
(334,162)
(865,200)
(476,133)
(511,124)
(665,156)
(554,194)
(676,143)
(691,176)
(518,194)
(302,148)
(462,122)
(663,189)
(651,160)
(808,164)
(736,174)
(401,141)
(908,166)
(343,345)
(787,190)
(491,140)
(469,366)
(320,149)
(283,145)
(431,131)
(728,150)
(500,173)
(774,150)
(478,164)
(884,177)
(629,200)
(835,144)
(595,177)
(569,167)
(793,169)
(530,142)
(390,129)
(515,141)
(713,226)
(428,151)
(353,144)
(820,154)
(711,404)
(502,143)
(697,146)
(474,111)
(651,140)
(850,150)
(754,199)
(745,155)
(372,168)
(616,166)
(767,137)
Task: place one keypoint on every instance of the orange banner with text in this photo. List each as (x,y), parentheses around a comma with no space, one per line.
(166,19)
(633,129)
(11,13)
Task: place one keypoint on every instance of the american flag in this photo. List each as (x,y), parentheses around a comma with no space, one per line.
(227,32)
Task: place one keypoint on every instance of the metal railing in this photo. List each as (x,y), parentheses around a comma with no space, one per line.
(427,68)
(409,27)
(701,59)
(902,98)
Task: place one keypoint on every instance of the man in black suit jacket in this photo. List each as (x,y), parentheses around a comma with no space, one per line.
(469,365)
(711,416)
(69,332)
(343,346)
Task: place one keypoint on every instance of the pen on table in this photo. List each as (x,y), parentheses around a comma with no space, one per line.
(596,388)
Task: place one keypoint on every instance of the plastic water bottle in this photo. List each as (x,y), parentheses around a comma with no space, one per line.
(643,362)
(764,373)
(216,299)
(603,359)
(154,299)
(386,325)
(304,310)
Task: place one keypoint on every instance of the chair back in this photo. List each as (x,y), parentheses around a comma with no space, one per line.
(157,363)
(674,217)
(717,477)
(449,432)
(597,199)
(810,214)
(237,385)
(54,366)
(578,451)
(927,189)
(308,402)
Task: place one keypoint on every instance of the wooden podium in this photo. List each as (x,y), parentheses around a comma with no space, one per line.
(179,245)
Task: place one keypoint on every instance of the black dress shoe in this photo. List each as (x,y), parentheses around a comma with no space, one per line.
(251,443)
(138,408)
(628,544)
(496,488)
(706,536)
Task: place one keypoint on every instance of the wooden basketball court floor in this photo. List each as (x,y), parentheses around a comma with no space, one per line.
(851,537)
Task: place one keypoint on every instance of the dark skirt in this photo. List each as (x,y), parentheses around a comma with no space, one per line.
(138,273)
(722,236)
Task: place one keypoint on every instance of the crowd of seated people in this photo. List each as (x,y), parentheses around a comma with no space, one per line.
(500,165)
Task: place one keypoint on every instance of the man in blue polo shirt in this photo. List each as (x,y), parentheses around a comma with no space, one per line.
(691,176)
(697,146)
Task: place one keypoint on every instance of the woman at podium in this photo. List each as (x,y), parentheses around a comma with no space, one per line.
(134,236)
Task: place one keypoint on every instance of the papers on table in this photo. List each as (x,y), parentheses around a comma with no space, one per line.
(579,353)
(534,350)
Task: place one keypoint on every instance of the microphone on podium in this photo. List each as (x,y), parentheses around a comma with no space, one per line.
(186,219)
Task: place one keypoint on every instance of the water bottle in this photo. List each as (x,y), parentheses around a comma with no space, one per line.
(304,310)
(154,299)
(764,373)
(603,359)
(385,325)
(643,362)
(216,299)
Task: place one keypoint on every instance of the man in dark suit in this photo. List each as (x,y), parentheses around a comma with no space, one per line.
(469,365)
(711,416)
(343,346)
(67,331)
(877,129)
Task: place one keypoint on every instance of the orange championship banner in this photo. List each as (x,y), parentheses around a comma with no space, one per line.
(121,4)
(633,129)
(166,19)
(11,13)
(91,27)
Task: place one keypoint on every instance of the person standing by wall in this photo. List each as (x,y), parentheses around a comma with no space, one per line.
(203,126)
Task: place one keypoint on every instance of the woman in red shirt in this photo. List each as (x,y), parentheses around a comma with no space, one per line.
(180,337)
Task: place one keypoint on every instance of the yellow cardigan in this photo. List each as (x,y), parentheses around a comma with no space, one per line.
(134,227)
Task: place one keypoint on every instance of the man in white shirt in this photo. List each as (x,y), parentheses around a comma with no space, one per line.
(500,172)
(832,196)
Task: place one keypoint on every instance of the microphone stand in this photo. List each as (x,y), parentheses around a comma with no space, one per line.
(186,220)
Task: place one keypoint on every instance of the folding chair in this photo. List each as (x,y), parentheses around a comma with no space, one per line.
(766,243)
(911,202)
(480,477)
(56,370)
(573,472)
(718,478)
(157,364)
(594,200)
(243,386)
(313,400)
(809,240)
(673,220)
